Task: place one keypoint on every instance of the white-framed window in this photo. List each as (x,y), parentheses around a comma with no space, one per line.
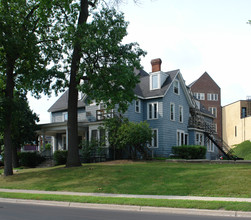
(152,111)
(176,87)
(65,116)
(172,111)
(182,138)
(64,147)
(180,114)
(154,81)
(210,146)
(213,110)
(212,97)
(138,106)
(199,139)
(155,141)
(199,95)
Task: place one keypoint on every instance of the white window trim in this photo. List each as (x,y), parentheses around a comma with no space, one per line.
(63,116)
(172,104)
(178,137)
(139,105)
(181,111)
(203,141)
(157,137)
(210,146)
(157,115)
(211,110)
(212,97)
(178,87)
(151,81)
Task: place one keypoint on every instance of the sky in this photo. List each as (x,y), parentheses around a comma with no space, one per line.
(191,35)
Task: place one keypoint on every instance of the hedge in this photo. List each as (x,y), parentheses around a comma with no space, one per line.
(60,157)
(30,159)
(189,152)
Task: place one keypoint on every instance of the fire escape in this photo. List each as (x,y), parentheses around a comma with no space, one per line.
(197,120)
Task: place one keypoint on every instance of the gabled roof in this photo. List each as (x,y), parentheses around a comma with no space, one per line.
(62,103)
(143,88)
(204,75)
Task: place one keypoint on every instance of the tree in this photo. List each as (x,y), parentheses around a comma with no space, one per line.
(96,54)
(23,125)
(136,136)
(112,125)
(28,44)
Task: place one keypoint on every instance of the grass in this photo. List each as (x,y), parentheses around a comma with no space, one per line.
(243,150)
(150,178)
(212,205)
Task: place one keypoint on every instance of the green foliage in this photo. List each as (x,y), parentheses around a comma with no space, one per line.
(136,136)
(243,150)
(190,152)
(60,157)
(30,159)
(108,63)
(92,150)
(48,146)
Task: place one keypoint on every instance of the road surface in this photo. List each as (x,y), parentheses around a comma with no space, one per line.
(12,211)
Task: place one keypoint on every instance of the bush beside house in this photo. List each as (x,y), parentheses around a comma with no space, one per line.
(189,152)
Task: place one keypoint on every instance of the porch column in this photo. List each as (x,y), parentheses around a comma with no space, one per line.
(66,138)
(54,147)
(43,140)
(39,143)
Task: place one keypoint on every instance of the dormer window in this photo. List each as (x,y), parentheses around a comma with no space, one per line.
(155,82)
(157,79)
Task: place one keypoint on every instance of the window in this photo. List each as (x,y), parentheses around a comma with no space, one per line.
(212,97)
(181,114)
(94,135)
(199,139)
(199,96)
(152,111)
(65,116)
(137,106)
(213,110)
(176,87)
(210,146)
(182,138)
(243,112)
(235,131)
(172,112)
(155,81)
(154,138)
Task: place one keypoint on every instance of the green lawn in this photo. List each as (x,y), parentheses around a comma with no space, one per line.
(213,205)
(156,178)
(243,150)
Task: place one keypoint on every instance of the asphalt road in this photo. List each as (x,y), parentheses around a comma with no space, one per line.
(12,211)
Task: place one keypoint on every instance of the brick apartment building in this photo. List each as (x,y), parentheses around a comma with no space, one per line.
(209,93)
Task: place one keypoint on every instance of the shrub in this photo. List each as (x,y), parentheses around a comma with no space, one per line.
(190,152)
(60,157)
(30,159)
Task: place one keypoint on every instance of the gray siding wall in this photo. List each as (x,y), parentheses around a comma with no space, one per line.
(134,116)
(167,129)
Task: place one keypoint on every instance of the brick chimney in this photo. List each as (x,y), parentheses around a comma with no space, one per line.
(156,65)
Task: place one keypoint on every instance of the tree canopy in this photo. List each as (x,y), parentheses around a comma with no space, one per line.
(29,43)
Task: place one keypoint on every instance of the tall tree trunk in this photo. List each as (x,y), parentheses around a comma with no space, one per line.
(72,125)
(8,169)
(15,163)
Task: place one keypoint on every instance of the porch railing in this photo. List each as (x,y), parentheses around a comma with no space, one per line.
(103,114)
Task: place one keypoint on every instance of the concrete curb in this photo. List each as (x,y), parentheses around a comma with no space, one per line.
(130,208)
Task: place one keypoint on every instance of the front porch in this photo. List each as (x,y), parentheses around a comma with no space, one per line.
(59,134)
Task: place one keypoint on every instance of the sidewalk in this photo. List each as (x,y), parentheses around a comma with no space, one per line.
(129,207)
(229,199)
